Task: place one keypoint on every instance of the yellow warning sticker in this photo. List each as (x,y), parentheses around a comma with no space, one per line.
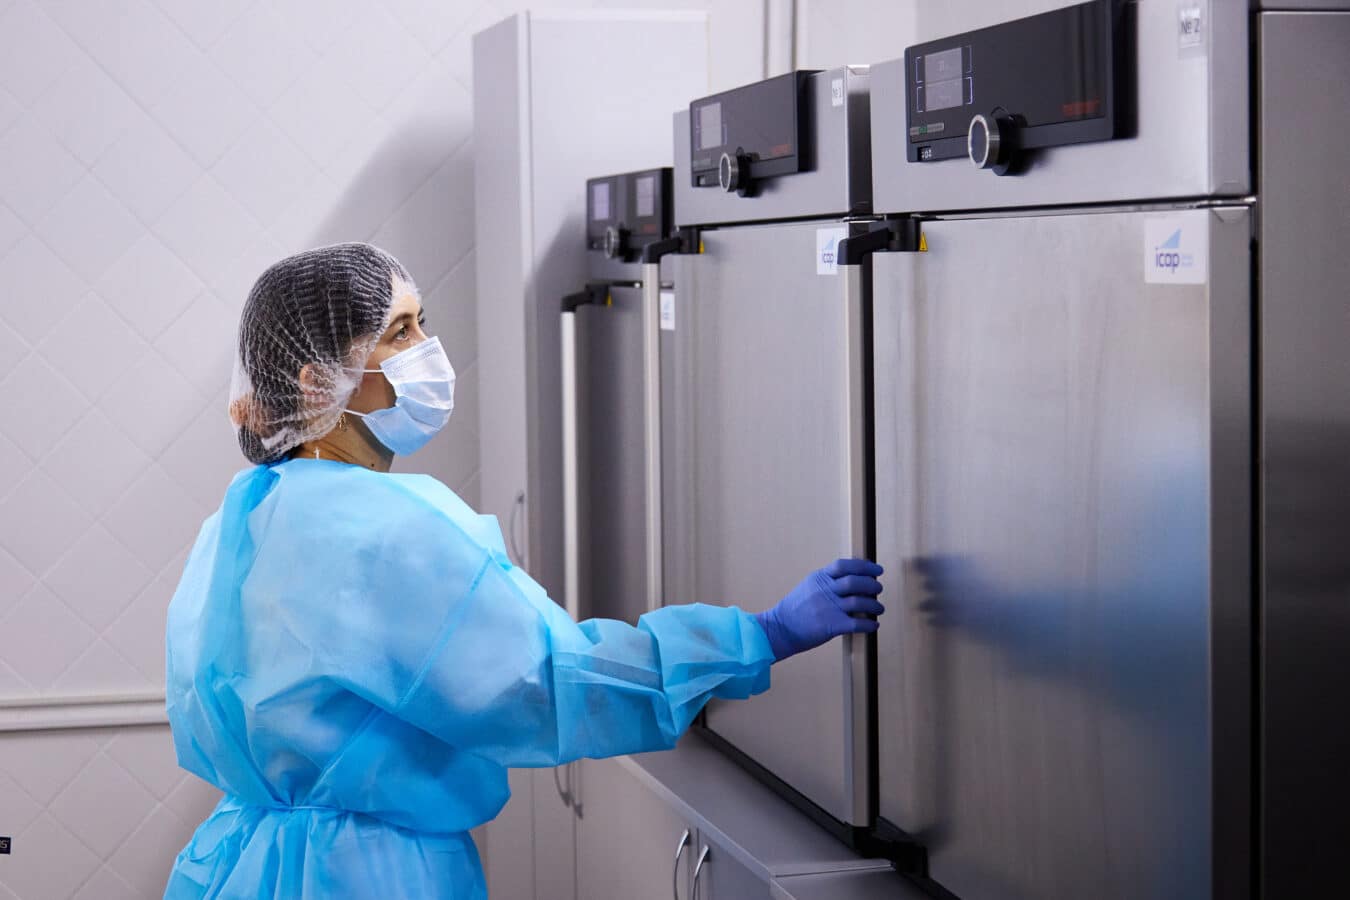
(700,245)
(923,243)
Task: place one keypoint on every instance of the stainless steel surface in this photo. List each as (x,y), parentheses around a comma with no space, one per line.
(764,472)
(840,180)
(611,378)
(878,884)
(675,867)
(571,484)
(698,871)
(651,431)
(1063,483)
(1304,91)
(1191,138)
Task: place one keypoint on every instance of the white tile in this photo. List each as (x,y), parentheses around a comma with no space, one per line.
(98,578)
(40,637)
(147,856)
(319,111)
(92,346)
(434,112)
(193,800)
(205,457)
(378,56)
(433,230)
(33,51)
(458,53)
(37,284)
(19,809)
(14,466)
(37,172)
(204,20)
(132,39)
(44,762)
(147,753)
(38,521)
(201,344)
(86,110)
(96,462)
(205,111)
(139,634)
(155,520)
(236,279)
(11,229)
(13,349)
(264,171)
(10,110)
(471,490)
(105,884)
(101,670)
(153,402)
(452,312)
(432,22)
(206,227)
(149,286)
(147,170)
(49,863)
(12,685)
(38,406)
(103,805)
(318,22)
(15,581)
(261,54)
(89,228)
(314,213)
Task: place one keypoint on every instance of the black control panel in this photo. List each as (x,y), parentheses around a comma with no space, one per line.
(1061,77)
(751,133)
(624,213)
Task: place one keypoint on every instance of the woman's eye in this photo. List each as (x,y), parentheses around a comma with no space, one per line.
(402,334)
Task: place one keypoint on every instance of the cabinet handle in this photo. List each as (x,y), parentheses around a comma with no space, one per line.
(698,870)
(675,871)
(562,792)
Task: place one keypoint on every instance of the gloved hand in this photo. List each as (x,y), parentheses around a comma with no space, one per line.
(822,607)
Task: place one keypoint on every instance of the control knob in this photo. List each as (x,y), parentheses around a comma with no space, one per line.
(616,242)
(990,142)
(733,172)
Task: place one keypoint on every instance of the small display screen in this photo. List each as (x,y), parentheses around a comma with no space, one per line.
(943,94)
(599,201)
(710,126)
(646,196)
(943,66)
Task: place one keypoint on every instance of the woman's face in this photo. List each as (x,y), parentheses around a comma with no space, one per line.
(404,331)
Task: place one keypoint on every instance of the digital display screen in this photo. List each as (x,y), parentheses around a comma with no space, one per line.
(646,196)
(599,201)
(710,126)
(943,94)
(943,66)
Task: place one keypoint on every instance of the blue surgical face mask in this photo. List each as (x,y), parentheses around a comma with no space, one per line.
(424,385)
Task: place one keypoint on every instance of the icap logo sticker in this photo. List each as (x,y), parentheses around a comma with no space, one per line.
(827,250)
(1176,250)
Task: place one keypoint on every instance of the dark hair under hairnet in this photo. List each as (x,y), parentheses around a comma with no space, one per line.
(324,309)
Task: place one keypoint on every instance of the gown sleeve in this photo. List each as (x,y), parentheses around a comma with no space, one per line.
(416,607)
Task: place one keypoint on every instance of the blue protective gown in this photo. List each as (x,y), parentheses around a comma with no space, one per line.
(354,661)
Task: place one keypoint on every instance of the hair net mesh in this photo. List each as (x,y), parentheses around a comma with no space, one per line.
(319,312)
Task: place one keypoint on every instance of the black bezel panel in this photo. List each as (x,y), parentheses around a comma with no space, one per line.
(640,204)
(1055,75)
(764,122)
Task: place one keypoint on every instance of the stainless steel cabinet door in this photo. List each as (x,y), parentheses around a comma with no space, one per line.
(508,852)
(720,876)
(762,490)
(612,536)
(555,847)
(1063,510)
(627,838)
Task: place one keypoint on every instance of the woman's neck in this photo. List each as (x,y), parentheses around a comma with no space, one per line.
(349,442)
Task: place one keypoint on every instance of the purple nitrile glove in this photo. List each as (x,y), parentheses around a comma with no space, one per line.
(823,606)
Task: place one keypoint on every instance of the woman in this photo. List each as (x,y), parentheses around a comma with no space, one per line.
(352,657)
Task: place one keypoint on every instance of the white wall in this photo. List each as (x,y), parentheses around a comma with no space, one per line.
(155,155)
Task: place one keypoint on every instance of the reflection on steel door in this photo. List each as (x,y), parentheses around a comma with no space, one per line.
(1063,512)
(760,485)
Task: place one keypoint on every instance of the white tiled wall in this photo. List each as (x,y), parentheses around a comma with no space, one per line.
(155,156)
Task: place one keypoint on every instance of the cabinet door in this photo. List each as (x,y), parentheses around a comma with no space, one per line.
(554,834)
(723,877)
(627,838)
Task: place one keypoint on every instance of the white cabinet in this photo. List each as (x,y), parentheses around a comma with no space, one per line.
(558,97)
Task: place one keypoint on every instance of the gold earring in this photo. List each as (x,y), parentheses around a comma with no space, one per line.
(342,422)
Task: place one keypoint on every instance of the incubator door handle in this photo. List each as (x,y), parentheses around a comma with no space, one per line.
(698,870)
(675,871)
(558,785)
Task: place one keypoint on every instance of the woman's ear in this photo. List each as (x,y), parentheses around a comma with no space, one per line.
(309,381)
